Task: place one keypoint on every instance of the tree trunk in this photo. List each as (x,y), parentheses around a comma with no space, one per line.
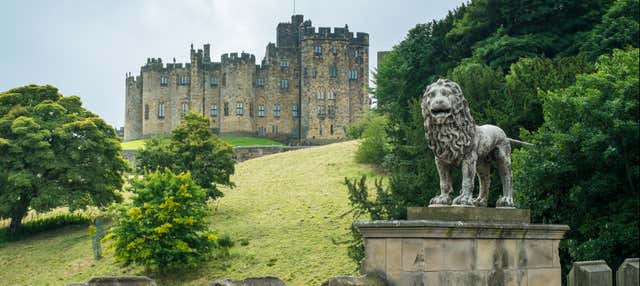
(16,223)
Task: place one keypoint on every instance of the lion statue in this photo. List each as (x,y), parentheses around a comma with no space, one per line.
(455,140)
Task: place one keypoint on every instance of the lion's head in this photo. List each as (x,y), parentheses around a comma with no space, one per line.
(449,127)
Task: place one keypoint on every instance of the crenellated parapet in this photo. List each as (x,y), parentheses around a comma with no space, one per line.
(338,34)
(234,58)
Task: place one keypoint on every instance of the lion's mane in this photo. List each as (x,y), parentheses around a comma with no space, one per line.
(451,140)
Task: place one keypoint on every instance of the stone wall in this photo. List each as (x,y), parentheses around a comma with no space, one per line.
(240,154)
(250,152)
(238,80)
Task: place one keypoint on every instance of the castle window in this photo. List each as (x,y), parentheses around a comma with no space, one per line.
(284,64)
(331,110)
(239,109)
(331,95)
(320,128)
(146,112)
(320,95)
(261,82)
(214,110)
(356,53)
(333,72)
(352,74)
(260,110)
(334,50)
(284,84)
(276,110)
(317,50)
(250,109)
(226,109)
(185,108)
(331,129)
(164,80)
(314,72)
(321,111)
(294,110)
(214,81)
(274,129)
(161,110)
(184,80)
(224,79)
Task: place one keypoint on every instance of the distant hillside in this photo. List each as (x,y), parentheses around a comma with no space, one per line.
(287,216)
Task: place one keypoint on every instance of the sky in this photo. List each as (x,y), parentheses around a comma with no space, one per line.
(85,48)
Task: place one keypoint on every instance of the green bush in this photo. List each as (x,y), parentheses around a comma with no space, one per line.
(374,145)
(165,226)
(192,148)
(584,170)
(42,225)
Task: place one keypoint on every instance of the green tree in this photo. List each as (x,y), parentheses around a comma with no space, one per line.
(164,227)
(54,153)
(585,168)
(374,142)
(619,28)
(193,148)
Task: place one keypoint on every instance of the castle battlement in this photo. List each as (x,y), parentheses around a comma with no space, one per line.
(240,95)
(234,58)
(338,33)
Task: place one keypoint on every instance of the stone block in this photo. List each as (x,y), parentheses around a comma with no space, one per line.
(375,258)
(394,254)
(454,278)
(544,277)
(628,274)
(119,281)
(413,255)
(538,253)
(469,214)
(253,281)
(365,280)
(496,254)
(590,273)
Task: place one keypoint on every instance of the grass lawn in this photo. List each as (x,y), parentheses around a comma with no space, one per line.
(289,208)
(233,141)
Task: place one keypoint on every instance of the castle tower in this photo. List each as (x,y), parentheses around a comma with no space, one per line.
(237,94)
(133,108)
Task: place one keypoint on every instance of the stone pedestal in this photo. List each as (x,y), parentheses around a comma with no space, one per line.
(590,273)
(628,274)
(462,249)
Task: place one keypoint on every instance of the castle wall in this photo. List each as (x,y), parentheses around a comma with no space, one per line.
(240,82)
(133,111)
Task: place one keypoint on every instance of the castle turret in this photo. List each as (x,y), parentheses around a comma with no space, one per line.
(133,110)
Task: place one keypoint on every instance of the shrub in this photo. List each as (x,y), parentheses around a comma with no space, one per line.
(193,148)
(374,145)
(42,225)
(164,227)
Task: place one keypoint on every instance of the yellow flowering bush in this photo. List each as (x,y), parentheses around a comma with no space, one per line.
(164,226)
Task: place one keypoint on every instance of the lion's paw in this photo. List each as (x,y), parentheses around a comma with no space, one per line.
(463,200)
(442,199)
(505,202)
(480,202)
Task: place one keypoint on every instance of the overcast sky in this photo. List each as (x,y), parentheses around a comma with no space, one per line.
(85,47)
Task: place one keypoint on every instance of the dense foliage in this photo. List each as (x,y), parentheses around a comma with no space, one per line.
(372,130)
(165,226)
(54,153)
(194,148)
(585,171)
(512,61)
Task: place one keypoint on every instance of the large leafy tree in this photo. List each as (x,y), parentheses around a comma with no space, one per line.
(53,152)
(194,148)
(585,168)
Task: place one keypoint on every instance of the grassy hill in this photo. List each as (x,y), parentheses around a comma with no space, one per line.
(288,209)
(233,141)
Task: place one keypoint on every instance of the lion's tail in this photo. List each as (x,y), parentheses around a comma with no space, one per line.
(520,142)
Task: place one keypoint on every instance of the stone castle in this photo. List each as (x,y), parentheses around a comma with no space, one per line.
(310,85)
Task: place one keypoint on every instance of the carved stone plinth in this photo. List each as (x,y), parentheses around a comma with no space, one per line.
(463,251)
